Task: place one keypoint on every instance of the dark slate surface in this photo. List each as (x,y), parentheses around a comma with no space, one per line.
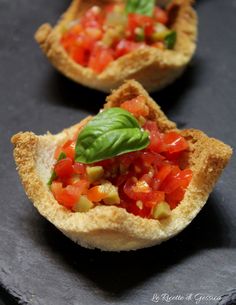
(38,265)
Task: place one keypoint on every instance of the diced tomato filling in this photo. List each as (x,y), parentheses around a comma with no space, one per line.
(102,35)
(68,148)
(79,168)
(95,194)
(136,106)
(69,195)
(140,21)
(161,15)
(142,178)
(64,168)
(125,46)
(100,57)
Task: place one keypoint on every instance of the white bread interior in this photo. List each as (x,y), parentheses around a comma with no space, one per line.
(111,228)
(152,67)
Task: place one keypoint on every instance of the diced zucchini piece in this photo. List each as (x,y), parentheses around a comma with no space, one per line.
(95,173)
(139,34)
(83,205)
(116,18)
(112,34)
(161,210)
(160,32)
(160,36)
(112,196)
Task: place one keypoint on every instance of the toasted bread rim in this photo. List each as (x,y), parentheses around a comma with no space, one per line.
(109,227)
(153,68)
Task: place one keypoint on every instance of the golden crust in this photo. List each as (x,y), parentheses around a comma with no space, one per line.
(109,227)
(153,68)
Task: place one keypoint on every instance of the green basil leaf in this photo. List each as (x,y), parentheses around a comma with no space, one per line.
(170,40)
(110,133)
(142,7)
(54,175)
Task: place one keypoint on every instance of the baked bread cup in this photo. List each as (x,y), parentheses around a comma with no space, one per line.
(153,68)
(108,227)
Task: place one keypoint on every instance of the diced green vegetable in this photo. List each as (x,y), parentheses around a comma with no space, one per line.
(112,196)
(113,34)
(170,40)
(160,36)
(83,205)
(160,32)
(94,173)
(116,19)
(161,210)
(139,34)
(54,175)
